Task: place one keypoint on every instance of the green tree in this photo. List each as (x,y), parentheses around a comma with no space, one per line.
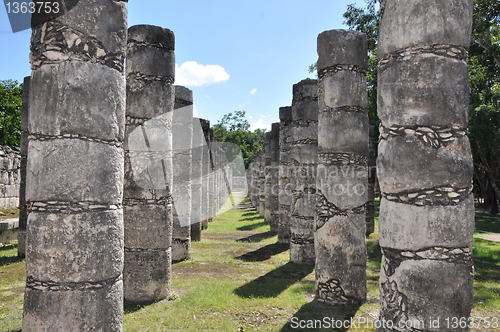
(366,20)
(234,128)
(10,112)
(484,108)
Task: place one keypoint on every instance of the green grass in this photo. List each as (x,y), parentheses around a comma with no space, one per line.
(240,279)
(486,223)
(9,212)
(12,280)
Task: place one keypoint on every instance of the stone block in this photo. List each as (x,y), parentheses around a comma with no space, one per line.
(99,310)
(406,164)
(403,24)
(303,154)
(146,275)
(305,204)
(342,47)
(344,88)
(77,98)
(74,170)
(416,293)
(301,254)
(150,34)
(143,100)
(424,90)
(147,226)
(354,139)
(144,59)
(343,186)
(411,227)
(79,247)
(305,90)
(340,246)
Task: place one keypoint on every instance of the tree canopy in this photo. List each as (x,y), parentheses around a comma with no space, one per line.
(234,128)
(10,112)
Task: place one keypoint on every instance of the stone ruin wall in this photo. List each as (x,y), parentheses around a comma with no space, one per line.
(10,176)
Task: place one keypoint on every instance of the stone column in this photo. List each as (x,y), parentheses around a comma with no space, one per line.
(424,163)
(74,170)
(251,181)
(196,180)
(182,132)
(268,175)
(261,208)
(303,158)
(342,175)
(284,186)
(148,163)
(272,198)
(23,209)
(372,175)
(206,169)
(212,198)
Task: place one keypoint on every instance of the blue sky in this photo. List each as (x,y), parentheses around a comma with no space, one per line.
(234,55)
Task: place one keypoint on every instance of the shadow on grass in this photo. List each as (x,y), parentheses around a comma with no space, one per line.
(8,247)
(485,222)
(275,282)
(316,315)
(250,214)
(4,261)
(129,308)
(374,252)
(257,237)
(251,218)
(486,259)
(264,253)
(252,226)
(7,260)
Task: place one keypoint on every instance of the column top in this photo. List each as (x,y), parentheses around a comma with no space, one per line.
(342,47)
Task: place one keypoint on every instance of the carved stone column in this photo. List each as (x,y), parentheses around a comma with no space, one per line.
(424,163)
(74,170)
(148,163)
(303,158)
(342,175)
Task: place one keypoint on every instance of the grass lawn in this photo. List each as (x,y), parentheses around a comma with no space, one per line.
(240,279)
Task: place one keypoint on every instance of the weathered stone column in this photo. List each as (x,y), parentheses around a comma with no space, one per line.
(252,183)
(212,198)
(272,199)
(261,208)
(372,175)
(23,209)
(424,163)
(182,132)
(285,178)
(342,175)
(303,158)
(196,180)
(148,163)
(206,169)
(267,175)
(74,171)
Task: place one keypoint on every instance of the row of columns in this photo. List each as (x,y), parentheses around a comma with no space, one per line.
(116,173)
(100,176)
(326,167)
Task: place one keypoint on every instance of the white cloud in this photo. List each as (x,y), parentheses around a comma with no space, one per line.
(253,91)
(250,117)
(190,73)
(260,124)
